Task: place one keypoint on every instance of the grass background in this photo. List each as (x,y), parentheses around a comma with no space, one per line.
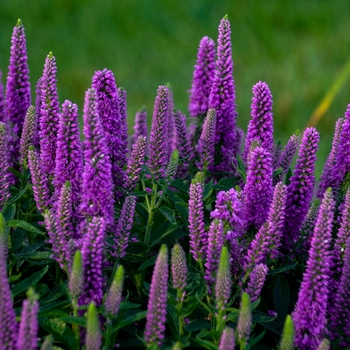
(298,47)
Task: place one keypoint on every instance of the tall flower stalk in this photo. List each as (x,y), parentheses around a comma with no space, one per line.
(4,173)
(3,109)
(28,134)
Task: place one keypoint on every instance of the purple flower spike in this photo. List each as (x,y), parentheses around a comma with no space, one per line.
(3,109)
(114,295)
(121,236)
(93,338)
(203,77)
(140,127)
(171,122)
(157,302)
(179,269)
(39,180)
(222,99)
(215,243)
(198,236)
(4,173)
(17,88)
(261,125)
(28,327)
(92,252)
(8,324)
(258,189)
(182,143)
(340,311)
(28,134)
(256,281)
(227,340)
(49,116)
(37,111)
(69,157)
(223,282)
(309,314)
(135,163)
(300,189)
(206,143)
(97,187)
(326,176)
(158,144)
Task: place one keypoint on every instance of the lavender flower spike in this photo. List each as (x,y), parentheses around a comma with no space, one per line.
(76,279)
(256,281)
(258,189)
(310,322)
(227,340)
(3,109)
(39,180)
(179,270)
(121,236)
(8,325)
(4,173)
(244,324)
(203,76)
(92,251)
(198,236)
(135,163)
(28,134)
(206,143)
(261,125)
(140,127)
(114,295)
(222,99)
(215,243)
(300,189)
(223,282)
(157,302)
(49,116)
(69,156)
(28,328)
(97,187)
(17,88)
(37,111)
(158,146)
(93,339)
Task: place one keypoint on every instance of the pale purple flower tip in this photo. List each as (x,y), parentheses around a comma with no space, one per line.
(222,98)
(76,278)
(4,173)
(93,337)
(49,116)
(301,187)
(17,89)
(227,340)
(124,225)
(256,281)
(203,76)
(158,144)
(223,281)
(309,315)
(178,268)
(261,125)
(114,295)
(28,134)
(97,187)
(244,324)
(157,301)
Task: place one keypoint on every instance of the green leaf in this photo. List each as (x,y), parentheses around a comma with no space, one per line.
(169,231)
(134,318)
(34,255)
(15,198)
(74,320)
(208,189)
(55,293)
(206,344)
(125,305)
(272,326)
(51,308)
(180,186)
(9,212)
(282,269)
(198,325)
(24,225)
(180,205)
(29,281)
(168,213)
(281,297)
(259,316)
(15,172)
(255,340)
(140,193)
(151,261)
(17,238)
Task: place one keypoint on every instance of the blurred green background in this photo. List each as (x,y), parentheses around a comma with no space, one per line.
(298,47)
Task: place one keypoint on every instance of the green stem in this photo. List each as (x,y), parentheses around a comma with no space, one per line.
(180,313)
(151,215)
(75,326)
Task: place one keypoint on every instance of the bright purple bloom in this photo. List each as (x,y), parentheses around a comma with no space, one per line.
(17,88)
(114,295)
(28,134)
(198,235)
(223,283)
(179,268)
(140,127)
(203,77)
(4,173)
(39,180)
(301,187)
(222,99)
(124,225)
(261,125)
(157,301)
(8,324)
(171,122)
(227,340)
(93,338)
(214,247)
(256,281)
(258,188)
(28,328)
(69,157)
(49,116)
(97,188)
(309,314)
(3,110)
(76,278)
(182,143)
(158,144)
(326,176)
(206,143)
(37,111)
(92,252)
(135,163)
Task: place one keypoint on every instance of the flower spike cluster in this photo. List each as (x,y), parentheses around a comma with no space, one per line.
(256,281)
(4,174)
(179,268)
(223,281)
(28,134)
(227,340)
(140,127)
